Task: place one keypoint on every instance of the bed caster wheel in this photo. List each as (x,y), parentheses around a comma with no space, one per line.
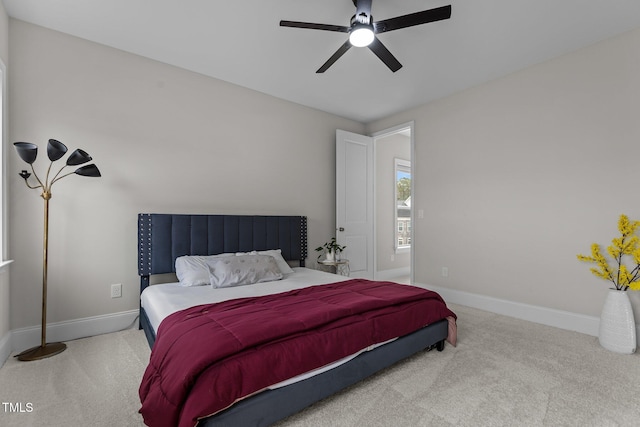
(440,345)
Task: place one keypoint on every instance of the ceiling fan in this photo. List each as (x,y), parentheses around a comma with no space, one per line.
(362,31)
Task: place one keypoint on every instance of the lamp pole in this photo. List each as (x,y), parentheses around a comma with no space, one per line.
(44,349)
(45,267)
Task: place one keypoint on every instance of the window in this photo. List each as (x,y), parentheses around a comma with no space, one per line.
(402,177)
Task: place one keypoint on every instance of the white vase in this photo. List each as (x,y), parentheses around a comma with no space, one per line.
(331,255)
(617,325)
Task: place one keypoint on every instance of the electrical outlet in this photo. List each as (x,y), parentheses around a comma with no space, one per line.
(116,290)
(445,271)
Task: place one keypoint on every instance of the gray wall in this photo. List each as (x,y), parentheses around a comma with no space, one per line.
(515,177)
(519,175)
(166,140)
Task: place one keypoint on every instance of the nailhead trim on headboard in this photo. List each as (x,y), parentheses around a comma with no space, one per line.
(144,244)
(303,240)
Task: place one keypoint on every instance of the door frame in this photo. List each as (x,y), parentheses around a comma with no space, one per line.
(381,134)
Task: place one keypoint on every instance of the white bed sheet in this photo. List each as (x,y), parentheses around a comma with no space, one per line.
(159,301)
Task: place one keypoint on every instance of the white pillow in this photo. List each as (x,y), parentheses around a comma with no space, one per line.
(242,270)
(275,253)
(194,270)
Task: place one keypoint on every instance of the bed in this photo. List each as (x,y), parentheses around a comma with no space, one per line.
(166,313)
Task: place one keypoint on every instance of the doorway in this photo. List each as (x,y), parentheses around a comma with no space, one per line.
(373,218)
(393,185)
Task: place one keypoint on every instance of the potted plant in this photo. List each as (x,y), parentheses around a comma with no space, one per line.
(331,250)
(617,330)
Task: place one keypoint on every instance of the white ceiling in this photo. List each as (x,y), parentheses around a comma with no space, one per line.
(241,42)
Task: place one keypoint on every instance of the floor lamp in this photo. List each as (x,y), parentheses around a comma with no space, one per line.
(55,151)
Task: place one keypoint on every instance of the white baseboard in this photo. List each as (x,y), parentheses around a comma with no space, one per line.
(24,338)
(547,316)
(393,273)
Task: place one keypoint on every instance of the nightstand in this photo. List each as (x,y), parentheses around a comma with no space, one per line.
(341,266)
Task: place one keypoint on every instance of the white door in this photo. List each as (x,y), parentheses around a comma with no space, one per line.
(354,201)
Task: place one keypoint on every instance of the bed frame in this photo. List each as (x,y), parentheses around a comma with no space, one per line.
(164,237)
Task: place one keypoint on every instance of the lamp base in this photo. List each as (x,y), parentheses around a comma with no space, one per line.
(40,352)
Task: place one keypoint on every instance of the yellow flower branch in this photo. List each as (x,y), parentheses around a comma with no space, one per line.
(627,245)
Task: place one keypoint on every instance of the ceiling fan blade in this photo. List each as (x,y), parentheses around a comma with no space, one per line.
(312,26)
(383,53)
(341,50)
(412,19)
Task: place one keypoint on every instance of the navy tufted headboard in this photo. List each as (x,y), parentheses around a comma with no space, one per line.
(164,237)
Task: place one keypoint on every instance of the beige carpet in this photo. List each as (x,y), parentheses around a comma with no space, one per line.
(504,372)
(94,382)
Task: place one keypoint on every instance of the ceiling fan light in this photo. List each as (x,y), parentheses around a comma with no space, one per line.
(361,35)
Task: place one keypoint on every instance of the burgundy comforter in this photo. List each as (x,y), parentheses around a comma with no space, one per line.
(207,357)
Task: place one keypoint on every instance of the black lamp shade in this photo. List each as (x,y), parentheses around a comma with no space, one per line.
(27,151)
(88,170)
(55,149)
(78,157)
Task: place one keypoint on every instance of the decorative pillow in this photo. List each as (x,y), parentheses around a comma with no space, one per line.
(275,253)
(194,270)
(242,270)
